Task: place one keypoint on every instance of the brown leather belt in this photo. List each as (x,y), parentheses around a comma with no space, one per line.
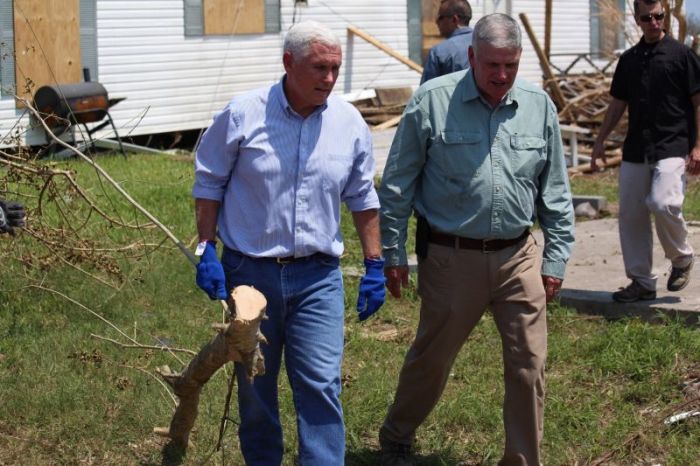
(483,245)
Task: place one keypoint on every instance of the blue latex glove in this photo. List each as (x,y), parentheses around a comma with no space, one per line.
(210,273)
(372,293)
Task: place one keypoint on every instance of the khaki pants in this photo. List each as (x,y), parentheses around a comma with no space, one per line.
(659,189)
(456,286)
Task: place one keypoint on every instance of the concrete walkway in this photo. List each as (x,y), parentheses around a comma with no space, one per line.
(595,270)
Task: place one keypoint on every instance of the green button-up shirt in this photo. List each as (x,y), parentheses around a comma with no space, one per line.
(477,171)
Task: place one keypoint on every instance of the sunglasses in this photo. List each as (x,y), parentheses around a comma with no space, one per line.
(647,18)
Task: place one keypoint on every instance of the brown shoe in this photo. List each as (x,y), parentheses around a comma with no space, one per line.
(632,293)
(679,277)
(395,454)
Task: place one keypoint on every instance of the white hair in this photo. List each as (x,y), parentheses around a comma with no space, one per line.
(497,30)
(301,35)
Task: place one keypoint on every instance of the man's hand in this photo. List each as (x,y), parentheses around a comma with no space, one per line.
(693,163)
(397,277)
(371,294)
(598,153)
(12,216)
(552,286)
(210,273)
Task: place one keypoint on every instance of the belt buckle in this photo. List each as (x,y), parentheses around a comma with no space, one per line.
(284,260)
(485,247)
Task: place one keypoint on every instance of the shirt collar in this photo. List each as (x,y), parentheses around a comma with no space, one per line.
(656,47)
(278,91)
(471,92)
(460,30)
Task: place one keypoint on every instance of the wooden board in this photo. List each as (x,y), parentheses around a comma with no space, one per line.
(431,33)
(227,17)
(47,44)
(389,96)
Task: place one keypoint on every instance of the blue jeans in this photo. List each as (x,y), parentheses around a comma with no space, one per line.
(305,306)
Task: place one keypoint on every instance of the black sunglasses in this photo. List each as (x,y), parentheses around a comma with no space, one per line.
(647,18)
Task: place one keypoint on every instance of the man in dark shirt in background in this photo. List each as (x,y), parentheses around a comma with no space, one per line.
(658,80)
(450,55)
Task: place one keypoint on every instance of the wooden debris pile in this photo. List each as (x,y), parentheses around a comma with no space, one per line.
(385,109)
(586,100)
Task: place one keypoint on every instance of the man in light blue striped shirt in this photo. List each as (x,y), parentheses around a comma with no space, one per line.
(270,173)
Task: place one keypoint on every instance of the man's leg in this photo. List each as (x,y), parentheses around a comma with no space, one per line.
(454,292)
(260,431)
(519,311)
(666,202)
(636,237)
(313,355)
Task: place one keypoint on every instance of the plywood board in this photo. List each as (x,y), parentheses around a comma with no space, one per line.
(47,44)
(226,17)
(431,33)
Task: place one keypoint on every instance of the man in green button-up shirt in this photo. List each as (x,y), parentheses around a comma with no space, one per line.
(478,156)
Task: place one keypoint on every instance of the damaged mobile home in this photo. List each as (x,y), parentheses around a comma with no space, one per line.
(172,64)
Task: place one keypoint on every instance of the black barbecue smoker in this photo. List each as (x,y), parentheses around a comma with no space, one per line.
(65,106)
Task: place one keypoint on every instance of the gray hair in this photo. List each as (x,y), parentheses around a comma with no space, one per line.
(497,30)
(301,35)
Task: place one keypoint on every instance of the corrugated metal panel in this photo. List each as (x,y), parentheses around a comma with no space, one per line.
(415,42)
(88,37)
(7,49)
(193,17)
(272,16)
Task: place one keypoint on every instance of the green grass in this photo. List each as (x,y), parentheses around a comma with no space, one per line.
(68,398)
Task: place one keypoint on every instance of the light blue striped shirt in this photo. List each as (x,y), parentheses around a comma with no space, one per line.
(280,177)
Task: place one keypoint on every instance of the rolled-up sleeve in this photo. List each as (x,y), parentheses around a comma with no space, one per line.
(359,193)
(555,211)
(216,156)
(397,191)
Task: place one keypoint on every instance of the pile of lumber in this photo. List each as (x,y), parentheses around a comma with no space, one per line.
(384,110)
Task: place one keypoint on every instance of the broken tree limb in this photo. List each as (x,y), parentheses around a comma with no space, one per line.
(238,340)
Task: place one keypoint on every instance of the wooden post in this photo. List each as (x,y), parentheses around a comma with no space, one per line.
(386,49)
(557,96)
(547,28)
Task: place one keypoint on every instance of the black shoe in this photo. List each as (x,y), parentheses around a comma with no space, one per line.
(395,454)
(633,292)
(680,276)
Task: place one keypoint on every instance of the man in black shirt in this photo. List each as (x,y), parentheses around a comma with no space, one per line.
(658,80)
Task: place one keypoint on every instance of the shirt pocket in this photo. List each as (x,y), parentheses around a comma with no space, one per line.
(528,155)
(457,152)
(335,170)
